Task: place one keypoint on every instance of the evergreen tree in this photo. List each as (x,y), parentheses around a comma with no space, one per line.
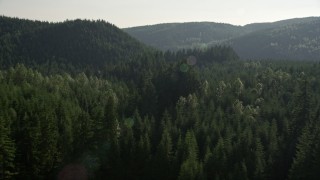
(303,166)
(260,163)
(7,151)
(191,168)
(164,157)
(301,112)
(240,172)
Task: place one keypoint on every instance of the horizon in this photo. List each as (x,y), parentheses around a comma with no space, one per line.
(160,23)
(142,12)
(221,22)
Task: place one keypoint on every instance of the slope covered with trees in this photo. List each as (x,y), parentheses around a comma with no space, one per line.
(295,39)
(300,41)
(190,114)
(175,36)
(262,26)
(78,42)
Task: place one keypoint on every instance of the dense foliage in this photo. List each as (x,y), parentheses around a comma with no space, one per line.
(192,114)
(78,42)
(233,120)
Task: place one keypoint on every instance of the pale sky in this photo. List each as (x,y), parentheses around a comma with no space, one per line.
(128,13)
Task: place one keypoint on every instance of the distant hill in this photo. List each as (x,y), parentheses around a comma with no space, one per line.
(298,41)
(269,25)
(290,39)
(175,36)
(77,42)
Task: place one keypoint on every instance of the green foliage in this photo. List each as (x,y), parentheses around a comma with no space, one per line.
(7,151)
(191,168)
(244,126)
(150,118)
(68,44)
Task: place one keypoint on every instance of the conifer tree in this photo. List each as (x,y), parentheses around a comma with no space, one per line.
(260,163)
(7,151)
(191,168)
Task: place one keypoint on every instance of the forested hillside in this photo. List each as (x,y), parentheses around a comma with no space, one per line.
(292,39)
(300,41)
(190,114)
(262,26)
(175,36)
(78,42)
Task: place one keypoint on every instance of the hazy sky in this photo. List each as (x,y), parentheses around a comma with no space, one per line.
(127,13)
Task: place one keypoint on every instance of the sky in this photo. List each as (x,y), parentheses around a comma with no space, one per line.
(129,13)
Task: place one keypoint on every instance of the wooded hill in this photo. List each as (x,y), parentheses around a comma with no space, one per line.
(294,39)
(78,42)
(135,113)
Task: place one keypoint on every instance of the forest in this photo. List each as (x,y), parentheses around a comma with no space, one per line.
(291,39)
(147,114)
